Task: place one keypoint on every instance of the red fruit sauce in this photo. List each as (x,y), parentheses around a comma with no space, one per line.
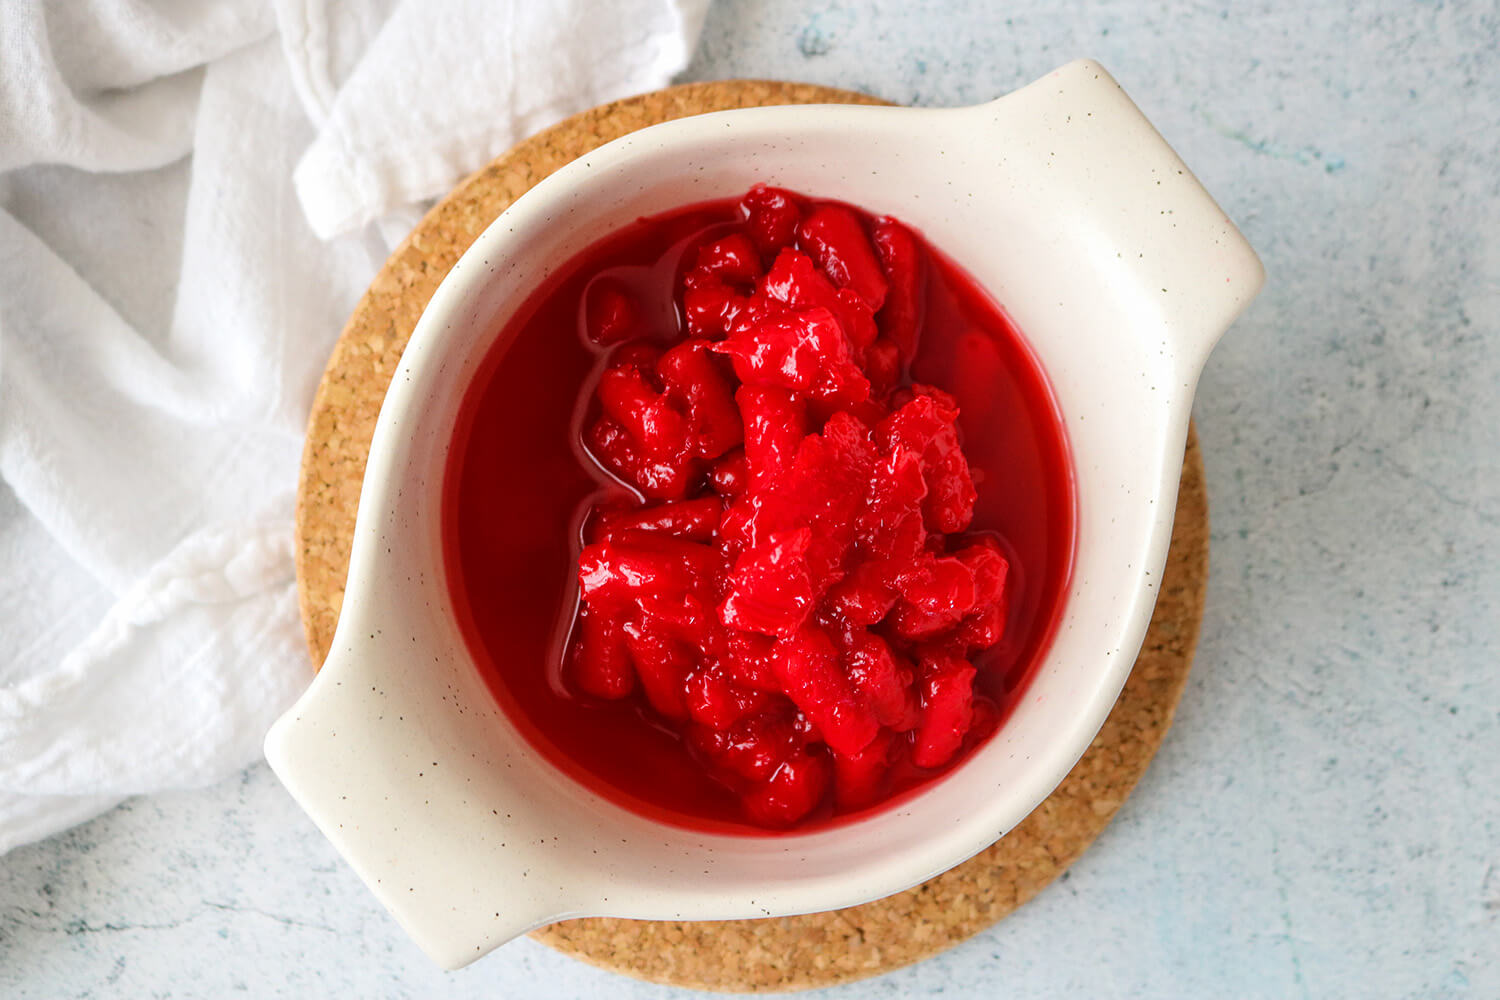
(724,548)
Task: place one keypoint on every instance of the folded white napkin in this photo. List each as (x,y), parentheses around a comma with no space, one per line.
(193,197)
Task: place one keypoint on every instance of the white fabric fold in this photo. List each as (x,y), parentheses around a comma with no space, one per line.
(164,321)
(110,84)
(442,81)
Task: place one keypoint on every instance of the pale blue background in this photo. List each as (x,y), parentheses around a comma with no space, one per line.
(1323,820)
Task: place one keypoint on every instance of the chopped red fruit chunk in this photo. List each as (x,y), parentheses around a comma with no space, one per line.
(694,381)
(882,365)
(695,520)
(775,423)
(822,490)
(659,430)
(795,282)
(662,664)
(730,475)
(989,566)
(711,307)
(791,793)
(805,352)
(682,616)
(856,319)
(982,629)
(865,593)
(859,777)
(769,589)
(934,598)
(772,217)
(792,588)
(890,526)
(947,710)
(714,700)
(601,662)
(901,259)
(837,241)
(614,573)
(732,258)
(750,656)
(927,424)
(884,681)
(663,479)
(754,746)
(808,667)
(611,314)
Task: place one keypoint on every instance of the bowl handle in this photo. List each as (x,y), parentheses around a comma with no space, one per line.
(1143,210)
(461,860)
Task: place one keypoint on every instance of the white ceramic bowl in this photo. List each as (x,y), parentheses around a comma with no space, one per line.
(1117,267)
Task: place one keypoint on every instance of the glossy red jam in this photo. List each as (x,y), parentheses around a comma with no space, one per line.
(758,515)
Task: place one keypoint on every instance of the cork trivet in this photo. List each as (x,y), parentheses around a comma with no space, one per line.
(787,953)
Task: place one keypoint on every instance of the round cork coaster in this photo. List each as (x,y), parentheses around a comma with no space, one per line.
(787,953)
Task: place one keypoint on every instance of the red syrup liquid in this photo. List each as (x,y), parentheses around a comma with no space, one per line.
(519,483)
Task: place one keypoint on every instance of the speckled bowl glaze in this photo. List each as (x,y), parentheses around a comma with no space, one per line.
(1121,272)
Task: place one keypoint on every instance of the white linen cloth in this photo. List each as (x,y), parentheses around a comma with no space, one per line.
(192,197)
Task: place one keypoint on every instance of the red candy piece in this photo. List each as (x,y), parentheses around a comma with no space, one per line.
(838,243)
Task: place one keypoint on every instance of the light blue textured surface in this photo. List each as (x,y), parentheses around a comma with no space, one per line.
(1324,818)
